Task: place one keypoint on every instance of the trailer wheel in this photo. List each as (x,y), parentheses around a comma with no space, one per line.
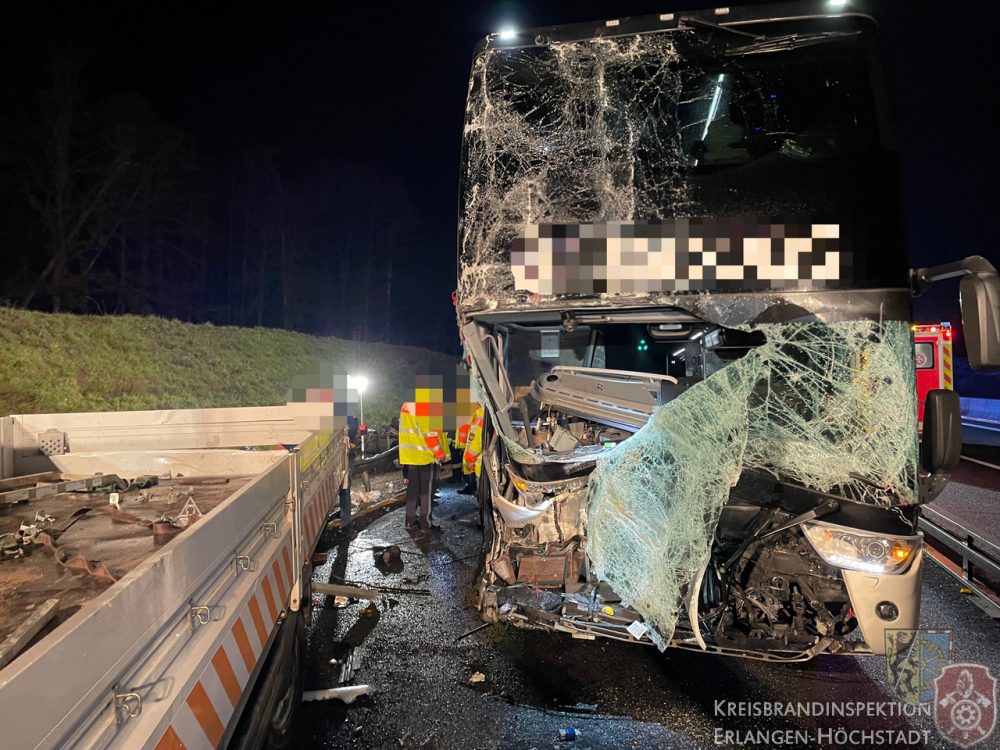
(270,710)
(289,690)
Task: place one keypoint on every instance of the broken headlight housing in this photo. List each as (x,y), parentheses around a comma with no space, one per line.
(865,551)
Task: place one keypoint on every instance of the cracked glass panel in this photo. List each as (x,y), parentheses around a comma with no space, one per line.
(829,406)
(664,127)
(552,133)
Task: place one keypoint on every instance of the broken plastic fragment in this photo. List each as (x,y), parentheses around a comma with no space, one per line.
(637,629)
(346,694)
(516,516)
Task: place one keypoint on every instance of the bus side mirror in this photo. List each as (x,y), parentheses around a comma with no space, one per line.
(941,443)
(980,299)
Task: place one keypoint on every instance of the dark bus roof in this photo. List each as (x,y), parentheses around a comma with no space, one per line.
(734,17)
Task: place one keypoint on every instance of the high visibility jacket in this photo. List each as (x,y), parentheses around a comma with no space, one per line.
(472,458)
(416,448)
(462,437)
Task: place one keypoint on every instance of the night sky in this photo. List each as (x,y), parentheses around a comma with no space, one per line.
(376,92)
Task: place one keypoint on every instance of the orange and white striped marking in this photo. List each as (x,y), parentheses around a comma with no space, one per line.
(200,721)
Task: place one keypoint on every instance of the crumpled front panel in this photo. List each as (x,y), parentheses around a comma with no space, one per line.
(830,406)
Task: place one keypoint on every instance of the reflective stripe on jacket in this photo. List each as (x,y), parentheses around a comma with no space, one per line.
(438,443)
(472,459)
(462,437)
(415,447)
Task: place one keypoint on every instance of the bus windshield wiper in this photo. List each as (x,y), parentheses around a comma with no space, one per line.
(760,43)
(687,22)
(789,41)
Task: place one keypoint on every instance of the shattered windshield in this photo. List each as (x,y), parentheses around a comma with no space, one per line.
(619,138)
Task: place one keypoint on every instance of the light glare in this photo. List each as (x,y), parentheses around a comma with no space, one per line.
(357,382)
(507,34)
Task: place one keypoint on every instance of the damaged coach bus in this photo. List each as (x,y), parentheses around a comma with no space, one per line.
(685,300)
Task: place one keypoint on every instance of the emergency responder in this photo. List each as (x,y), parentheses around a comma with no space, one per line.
(436,480)
(419,453)
(352,452)
(469,475)
(472,458)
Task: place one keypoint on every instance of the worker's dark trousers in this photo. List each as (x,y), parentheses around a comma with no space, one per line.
(345,496)
(418,496)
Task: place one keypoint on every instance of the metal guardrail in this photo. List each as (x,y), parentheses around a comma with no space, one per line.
(381,461)
(978,555)
(989,425)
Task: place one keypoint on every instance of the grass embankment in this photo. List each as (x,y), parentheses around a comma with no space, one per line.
(65,363)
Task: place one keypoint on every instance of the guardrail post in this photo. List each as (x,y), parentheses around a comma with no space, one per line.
(967,568)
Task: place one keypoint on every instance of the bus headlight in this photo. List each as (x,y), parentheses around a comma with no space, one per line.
(866,551)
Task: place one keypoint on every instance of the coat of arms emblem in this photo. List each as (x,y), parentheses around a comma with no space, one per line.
(965,703)
(914,658)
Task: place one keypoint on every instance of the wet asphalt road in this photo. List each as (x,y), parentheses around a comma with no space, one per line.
(422,696)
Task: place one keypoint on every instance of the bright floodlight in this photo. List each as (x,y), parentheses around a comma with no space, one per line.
(507,34)
(357,382)
(837,3)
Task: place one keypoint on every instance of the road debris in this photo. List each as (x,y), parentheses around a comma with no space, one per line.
(388,559)
(362,498)
(348,660)
(366,502)
(467,633)
(569,734)
(388,555)
(337,589)
(580,708)
(346,694)
(477,677)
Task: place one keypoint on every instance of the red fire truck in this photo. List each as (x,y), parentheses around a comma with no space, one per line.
(934,363)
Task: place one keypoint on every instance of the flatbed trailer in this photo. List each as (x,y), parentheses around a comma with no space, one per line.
(169,639)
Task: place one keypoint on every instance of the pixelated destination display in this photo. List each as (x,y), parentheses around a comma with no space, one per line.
(678,255)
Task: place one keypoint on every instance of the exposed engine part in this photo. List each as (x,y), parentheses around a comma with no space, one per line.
(780,591)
